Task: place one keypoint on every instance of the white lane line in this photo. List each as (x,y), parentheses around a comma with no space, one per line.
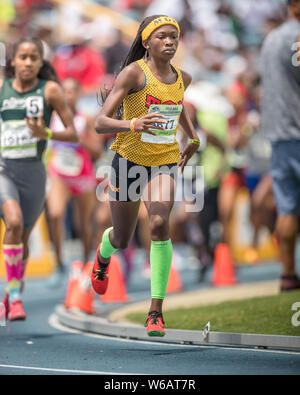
(54,322)
(61,370)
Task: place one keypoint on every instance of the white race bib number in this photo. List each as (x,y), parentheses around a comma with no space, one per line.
(34,105)
(67,161)
(17,141)
(171,115)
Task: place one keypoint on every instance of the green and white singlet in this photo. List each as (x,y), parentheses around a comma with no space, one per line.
(16,140)
(22,172)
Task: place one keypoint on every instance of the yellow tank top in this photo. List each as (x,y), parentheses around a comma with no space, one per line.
(136,105)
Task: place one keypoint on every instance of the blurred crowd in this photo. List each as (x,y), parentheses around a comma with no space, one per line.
(220,44)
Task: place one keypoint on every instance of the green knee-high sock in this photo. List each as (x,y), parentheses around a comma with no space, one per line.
(106,249)
(160,261)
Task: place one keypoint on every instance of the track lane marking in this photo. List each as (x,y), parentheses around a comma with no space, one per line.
(62,370)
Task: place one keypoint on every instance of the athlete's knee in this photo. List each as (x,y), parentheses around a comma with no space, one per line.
(55,215)
(159,226)
(14,225)
(287,227)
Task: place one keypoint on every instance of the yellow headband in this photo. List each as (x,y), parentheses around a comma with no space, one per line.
(158,22)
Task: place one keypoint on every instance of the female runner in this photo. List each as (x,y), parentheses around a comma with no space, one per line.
(28,94)
(147,85)
(71,174)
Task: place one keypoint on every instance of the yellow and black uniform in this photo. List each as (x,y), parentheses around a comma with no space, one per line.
(136,162)
(139,158)
(135,105)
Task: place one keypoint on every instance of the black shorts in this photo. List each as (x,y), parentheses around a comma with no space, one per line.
(128,180)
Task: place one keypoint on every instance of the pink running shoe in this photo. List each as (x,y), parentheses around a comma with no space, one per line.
(16,312)
(155,324)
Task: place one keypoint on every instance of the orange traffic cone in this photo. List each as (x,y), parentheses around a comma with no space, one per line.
(174,281)
(223,269)
(116,289)
(75,271)
(82,297)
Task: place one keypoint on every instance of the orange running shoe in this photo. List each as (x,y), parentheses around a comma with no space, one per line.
(155,324)
(99,276)
(16,312)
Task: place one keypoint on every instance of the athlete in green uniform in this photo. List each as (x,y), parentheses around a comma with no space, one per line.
(28,95)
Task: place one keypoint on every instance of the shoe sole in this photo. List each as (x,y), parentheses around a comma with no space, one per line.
(156,334)
(17,318)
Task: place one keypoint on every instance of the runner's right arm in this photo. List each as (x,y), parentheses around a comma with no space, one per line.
(130,78)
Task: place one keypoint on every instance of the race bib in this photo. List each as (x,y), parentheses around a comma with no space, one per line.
(17,141)
(34,105)
(67,161)
(171,115)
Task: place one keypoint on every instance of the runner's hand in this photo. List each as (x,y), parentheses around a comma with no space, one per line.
(186,155)
(37,127)
(145,123)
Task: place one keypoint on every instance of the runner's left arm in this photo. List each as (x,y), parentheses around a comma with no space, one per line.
(188,128)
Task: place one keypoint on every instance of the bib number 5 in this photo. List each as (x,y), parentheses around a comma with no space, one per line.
(34,105)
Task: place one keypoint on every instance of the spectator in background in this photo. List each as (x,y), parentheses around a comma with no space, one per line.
(116,54)
(257,175)
(81,62)
(211,114)
(281,125)
(132,8)
(237,95)
(26,5)
(7,12)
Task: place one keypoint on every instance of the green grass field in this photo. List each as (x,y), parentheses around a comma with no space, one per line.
(263,315)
